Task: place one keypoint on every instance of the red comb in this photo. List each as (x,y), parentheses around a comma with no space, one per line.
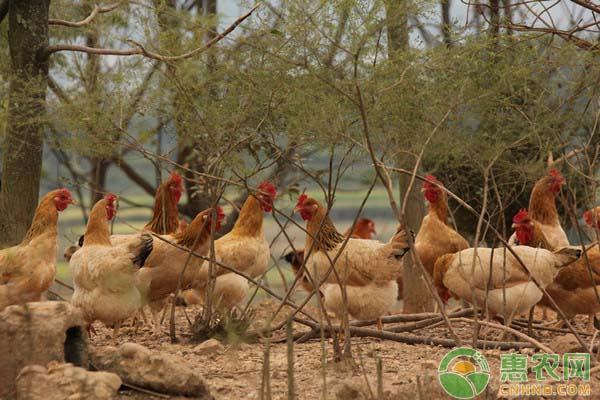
(432,178)
(220,212)
(110,198)
(521,216)
(554,172)
(175,177)
(301,199)
(267,187)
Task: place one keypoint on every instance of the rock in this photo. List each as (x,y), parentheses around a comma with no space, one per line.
(37,333)
(566,344)
(157,371)
(209,347)
(65,381)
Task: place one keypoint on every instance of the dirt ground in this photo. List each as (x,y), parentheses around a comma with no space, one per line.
(408,371)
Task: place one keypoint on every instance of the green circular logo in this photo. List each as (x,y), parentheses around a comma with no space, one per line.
(464,373)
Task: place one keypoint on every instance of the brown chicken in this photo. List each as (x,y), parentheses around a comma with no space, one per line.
(165,216)
(104,274)
(28,269)
(363,229)
(574,288)
(542,209)
(162,271)
(368,268)
(436,237)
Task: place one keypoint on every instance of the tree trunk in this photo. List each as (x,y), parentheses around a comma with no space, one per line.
(23,144)
(415,293)
(446,30)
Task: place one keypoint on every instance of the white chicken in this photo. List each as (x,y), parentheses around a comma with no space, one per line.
(104,274)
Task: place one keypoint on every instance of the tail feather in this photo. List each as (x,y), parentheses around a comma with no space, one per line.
(399,243)
(144,250)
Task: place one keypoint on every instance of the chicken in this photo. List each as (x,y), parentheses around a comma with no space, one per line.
(542,209)
(456,275)
(574,288)
(436,237)
(244,248)
(162,271)
(368,268)
(28,269)
(528,232)
(104,274)
(364,228)
(165,216)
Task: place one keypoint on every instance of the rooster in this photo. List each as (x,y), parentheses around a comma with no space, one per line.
(496,280)
(528,232)
(364,228)
(542,209)
(104,274)
(436,237)
(244,248)
(165,216)
(28,269)
(368,268)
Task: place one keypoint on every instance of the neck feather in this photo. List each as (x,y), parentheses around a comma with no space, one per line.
(328,237)
(165,216)
(542,206)
(45,220)
(250,219)
(97,231)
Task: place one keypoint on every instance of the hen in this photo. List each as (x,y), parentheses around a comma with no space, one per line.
(368,268)
(436,237)
(162,271)
(103,273)
(28,269)
(485,282)
(244,248)
(363,229)
(574,288)
(542,209)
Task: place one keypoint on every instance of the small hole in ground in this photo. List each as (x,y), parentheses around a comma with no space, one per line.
(75,347)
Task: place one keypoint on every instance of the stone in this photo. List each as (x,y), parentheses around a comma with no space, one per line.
(37,333)
(158,371)
(209,347)
(65,381)
(566,344)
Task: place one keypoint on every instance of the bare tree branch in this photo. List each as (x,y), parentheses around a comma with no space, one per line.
(97,10)
(134,176)
(140,50)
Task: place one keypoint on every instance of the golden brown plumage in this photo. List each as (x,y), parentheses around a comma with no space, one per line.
(165,216)
(436,237)
(542,209)
(28,269)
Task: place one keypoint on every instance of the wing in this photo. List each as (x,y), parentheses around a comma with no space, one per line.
(361,262)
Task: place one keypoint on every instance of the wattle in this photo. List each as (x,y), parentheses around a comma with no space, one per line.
(524,236)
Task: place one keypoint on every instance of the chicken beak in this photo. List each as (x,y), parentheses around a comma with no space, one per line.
(297,209)
(73,202)
(514,226)
(423,190)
